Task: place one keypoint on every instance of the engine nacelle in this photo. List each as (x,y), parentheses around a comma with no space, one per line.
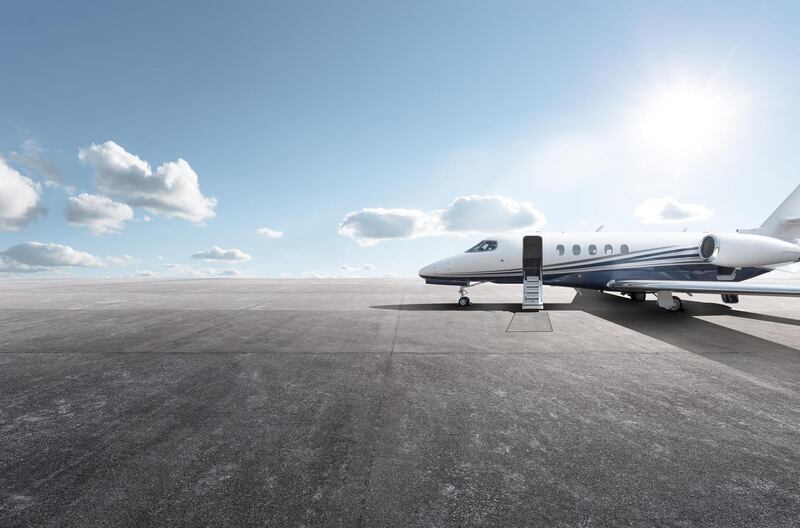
(734,250)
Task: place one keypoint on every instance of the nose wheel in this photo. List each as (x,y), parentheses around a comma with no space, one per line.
(463,300)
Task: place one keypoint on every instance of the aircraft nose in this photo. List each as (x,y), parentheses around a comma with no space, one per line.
(427,271)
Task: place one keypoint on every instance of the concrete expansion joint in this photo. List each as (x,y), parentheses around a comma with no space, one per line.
(378,423)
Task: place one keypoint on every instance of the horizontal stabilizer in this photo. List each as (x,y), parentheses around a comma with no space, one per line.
(729,287)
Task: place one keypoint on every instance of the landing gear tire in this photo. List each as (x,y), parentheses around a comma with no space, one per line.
(638,296)
(463,300)
(677,305)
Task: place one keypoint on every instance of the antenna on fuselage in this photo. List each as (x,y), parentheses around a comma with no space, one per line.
(599,228)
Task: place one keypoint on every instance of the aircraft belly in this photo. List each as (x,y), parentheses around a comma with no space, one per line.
(599,279)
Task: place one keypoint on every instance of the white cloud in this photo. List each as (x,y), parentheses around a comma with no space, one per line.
(34,256)
(668,210)
(32,157)
(172,190)
(354,269)
(185,270)
(124,260)
(19,199)
(270,233)
(490,213)
(466,214)
(100,214)
(371,225)
(217,253)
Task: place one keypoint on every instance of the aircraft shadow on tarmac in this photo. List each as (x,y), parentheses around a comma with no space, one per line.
(685,330)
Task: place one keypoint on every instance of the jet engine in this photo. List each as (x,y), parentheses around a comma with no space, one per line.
(737,250)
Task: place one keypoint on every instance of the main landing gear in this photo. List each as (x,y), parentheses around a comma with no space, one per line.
(637,296)
(669,302)
(463,300)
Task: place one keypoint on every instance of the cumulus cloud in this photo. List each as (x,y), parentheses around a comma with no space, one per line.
(270,233)
(490,213)
(19,199)
(668,210)
(173,190)
(100,214)
(35,256)
(466,214)
(217,253)
(31,156)
(371,225)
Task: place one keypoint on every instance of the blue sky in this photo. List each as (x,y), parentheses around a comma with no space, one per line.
(295,115)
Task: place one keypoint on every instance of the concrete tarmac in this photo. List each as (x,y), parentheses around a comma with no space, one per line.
(380,403)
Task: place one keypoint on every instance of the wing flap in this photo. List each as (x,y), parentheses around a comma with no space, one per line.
(735,288)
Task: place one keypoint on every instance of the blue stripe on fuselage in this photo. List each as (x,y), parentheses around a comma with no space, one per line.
(599,279)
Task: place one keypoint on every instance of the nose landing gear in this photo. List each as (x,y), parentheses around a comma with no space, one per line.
(463,300)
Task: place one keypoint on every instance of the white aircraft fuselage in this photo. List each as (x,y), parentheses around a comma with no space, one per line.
(632,263)
(593,260)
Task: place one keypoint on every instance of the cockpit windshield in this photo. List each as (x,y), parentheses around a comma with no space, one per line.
(483,245)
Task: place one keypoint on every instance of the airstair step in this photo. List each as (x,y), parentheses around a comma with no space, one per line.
(532,293)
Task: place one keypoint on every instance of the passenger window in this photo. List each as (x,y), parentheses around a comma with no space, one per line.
(576,249)
(592,249)
(560,249)
(608,249)
(623,249)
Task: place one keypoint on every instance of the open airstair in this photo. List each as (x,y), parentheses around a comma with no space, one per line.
(532,280)
(532,293)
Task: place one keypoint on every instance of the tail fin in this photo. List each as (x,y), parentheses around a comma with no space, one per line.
(784,222)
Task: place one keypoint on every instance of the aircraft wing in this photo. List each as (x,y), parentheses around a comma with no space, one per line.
(729,287)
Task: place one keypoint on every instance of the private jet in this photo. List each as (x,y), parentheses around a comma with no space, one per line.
(634,264)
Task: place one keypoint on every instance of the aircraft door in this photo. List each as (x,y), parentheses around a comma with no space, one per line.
(532,273)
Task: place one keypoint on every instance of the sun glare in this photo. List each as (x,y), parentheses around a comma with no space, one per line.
(684,120)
